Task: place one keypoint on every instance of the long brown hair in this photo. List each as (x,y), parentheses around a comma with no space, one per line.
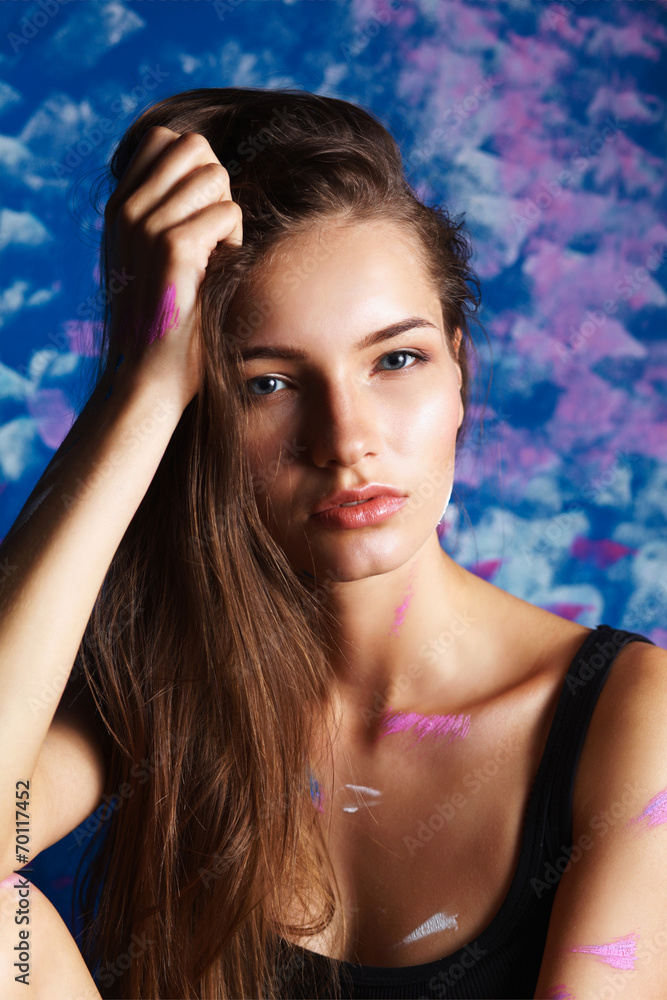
(205,653)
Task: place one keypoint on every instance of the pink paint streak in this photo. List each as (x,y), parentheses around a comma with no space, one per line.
(560,992)
(620,953)
(439,726)
(399,614)
(656,811)
(165,317)
(12,880)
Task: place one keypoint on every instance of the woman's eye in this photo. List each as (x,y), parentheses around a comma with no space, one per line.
(404,354)
(262,378)
(256,386)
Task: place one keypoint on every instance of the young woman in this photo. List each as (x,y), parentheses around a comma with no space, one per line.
(334,761)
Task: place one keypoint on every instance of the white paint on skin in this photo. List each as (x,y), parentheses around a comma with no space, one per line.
(438,922)
(365,796)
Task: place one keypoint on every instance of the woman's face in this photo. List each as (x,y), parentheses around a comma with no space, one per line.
(340,415)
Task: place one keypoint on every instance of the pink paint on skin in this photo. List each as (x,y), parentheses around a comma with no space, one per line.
(439,726)
(656,811)
(13,880)
(620,953)
(560,992)
(400,613)
(164,318)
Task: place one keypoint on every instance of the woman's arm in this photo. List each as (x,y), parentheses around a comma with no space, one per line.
(169,211)
(56,966)
(608,929)
(57,560)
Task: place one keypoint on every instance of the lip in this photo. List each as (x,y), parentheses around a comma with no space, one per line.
(349,496)
(364,515)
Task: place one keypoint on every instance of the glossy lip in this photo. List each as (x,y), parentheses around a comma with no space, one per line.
(363,515)
(348,496)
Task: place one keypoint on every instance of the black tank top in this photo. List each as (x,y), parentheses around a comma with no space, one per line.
(504,960)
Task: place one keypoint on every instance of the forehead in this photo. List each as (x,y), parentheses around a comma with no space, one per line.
(335,267)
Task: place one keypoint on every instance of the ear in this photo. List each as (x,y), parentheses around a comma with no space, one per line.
(456,348)
(456,343)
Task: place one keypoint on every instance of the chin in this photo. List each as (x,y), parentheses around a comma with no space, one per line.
(342,563)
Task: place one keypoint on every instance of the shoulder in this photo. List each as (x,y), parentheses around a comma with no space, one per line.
(626,740)
(608,902)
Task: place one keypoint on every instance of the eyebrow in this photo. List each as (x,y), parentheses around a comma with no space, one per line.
(370,340)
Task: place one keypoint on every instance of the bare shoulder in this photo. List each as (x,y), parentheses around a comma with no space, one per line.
(626,740)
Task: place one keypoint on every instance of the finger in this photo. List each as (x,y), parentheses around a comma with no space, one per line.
(152,143)
(206,185)
(199,235)
(190,151)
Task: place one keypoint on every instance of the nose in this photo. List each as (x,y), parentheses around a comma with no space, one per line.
(342,427)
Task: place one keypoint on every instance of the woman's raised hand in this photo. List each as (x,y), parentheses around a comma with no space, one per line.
(168,212)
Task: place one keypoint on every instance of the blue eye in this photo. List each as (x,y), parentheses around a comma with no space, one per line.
(263,378)
(419,356)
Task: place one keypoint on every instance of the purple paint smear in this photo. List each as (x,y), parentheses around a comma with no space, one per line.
(164,318)
(655,812)
(439,726)
(400,613)
(560,992)
(620,952)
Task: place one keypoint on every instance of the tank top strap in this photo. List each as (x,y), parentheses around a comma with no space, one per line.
(554,782)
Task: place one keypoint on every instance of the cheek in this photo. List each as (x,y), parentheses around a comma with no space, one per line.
(428,425)
(271,459)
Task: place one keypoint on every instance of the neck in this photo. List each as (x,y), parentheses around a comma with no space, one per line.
(395,635)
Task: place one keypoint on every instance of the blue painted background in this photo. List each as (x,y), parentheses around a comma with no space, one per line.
(543,121)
